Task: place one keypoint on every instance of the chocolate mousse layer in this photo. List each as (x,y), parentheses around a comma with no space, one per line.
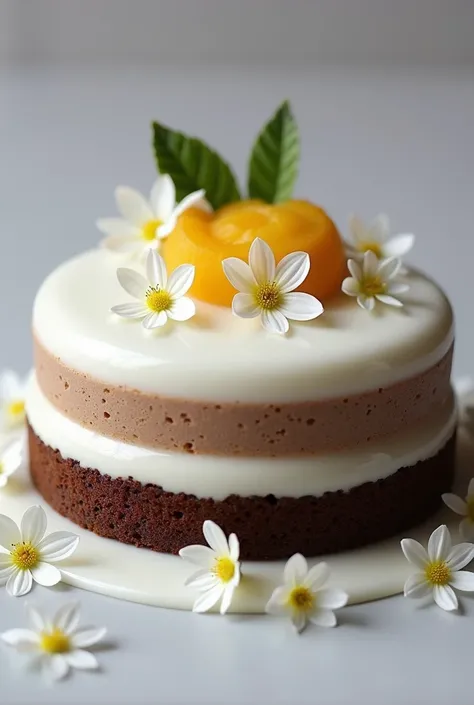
(241,429)
(267,527)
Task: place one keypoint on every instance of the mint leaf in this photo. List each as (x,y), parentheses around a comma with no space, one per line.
(193,165)
(275,158)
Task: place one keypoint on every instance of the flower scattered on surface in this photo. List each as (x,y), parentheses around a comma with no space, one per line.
(144,223)
(58,643)
(374,280)
(219,568)
(11,458)
(464,507)
(267,290)
(376,238)
(159,298)
(28,553)
(12,401)
(439,568)
(303,596)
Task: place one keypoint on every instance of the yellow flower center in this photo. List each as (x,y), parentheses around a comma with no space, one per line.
(268,296)
(158,300)
(149,229)
(56,642)
(16,409)
(470,507)
(371,247)
(301,599)
(25,556)
(224,569)
(371,286)
(438,573)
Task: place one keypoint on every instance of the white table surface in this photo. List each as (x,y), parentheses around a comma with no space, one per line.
(397,141)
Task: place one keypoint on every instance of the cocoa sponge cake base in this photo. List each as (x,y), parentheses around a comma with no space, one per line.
(268,528)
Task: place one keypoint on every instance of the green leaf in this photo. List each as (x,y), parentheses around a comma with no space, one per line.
(193,165)
(275,158)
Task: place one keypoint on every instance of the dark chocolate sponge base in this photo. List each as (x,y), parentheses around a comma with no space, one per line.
(268,528)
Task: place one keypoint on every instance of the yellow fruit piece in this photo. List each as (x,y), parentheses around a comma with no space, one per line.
(205,239)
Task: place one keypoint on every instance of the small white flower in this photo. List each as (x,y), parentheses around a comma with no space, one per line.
(12,402)
(303,597)
(464,507)
(374,281)
(144,223)
(11,458)
(58,643)
(376,238)
(159,298)
(439,568)
(28,553)
(266,290)
(219,572)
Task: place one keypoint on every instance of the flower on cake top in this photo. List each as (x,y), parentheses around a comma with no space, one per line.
(439,568)
(374,281)
(465,508)
(58,643)
(28,553)
(11,458)
(144,223)
(158,297)
(219,568)
(12,402)
(303,596)
(267,289)
(376,238)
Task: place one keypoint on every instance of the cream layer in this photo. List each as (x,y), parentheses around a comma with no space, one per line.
(218,357)
(219,477)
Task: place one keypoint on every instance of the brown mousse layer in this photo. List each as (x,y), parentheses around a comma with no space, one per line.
(241,429)
(267,527)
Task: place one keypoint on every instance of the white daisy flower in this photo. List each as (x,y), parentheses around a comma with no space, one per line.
(12,402)
(219,572)
(266,290)
(144,223)
(464,507)
(11,458)
(159,298)
(58,644)
(303,596)
(439,568)
(374,281)
(376,238)
(27,553)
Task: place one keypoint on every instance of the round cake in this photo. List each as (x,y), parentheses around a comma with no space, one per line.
(317,437)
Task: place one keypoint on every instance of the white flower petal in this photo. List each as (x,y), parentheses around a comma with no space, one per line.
(389,268)
(295,570)
(58,546)
(6,571)
(445,598)
(455,503)
(389,300)
(181,280)
(55,667)
(466,529)
(470,488)
(262,261)
(133,282)
(82,660)
(67,617)
(291,271)
(10,385)
(19,583)
(133,206)
(163,197)
(317,576)
(9,532)
(130,310)
(182,310)
(117,229)
(463,580)
(155,270)
(415,553)
(323,618)
(204,602)
(199,555)
(46,574)
(33,524)
(155,320)
(379,229)
(460,555)
(192,199)
(357,229)
(399,245)
(166,228)
(350,286)
(439,544)
(234,547)
(370,264)
(331,598)
(299,620)
(87,636)
(397,288)
(37,618)
(227,599)
(203,580)
(417,587)
(275,322)
(239,274)
(366,302)
(355,269)
(20,638)
(277,602)
(215,537)
(301,307)
(244,306)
